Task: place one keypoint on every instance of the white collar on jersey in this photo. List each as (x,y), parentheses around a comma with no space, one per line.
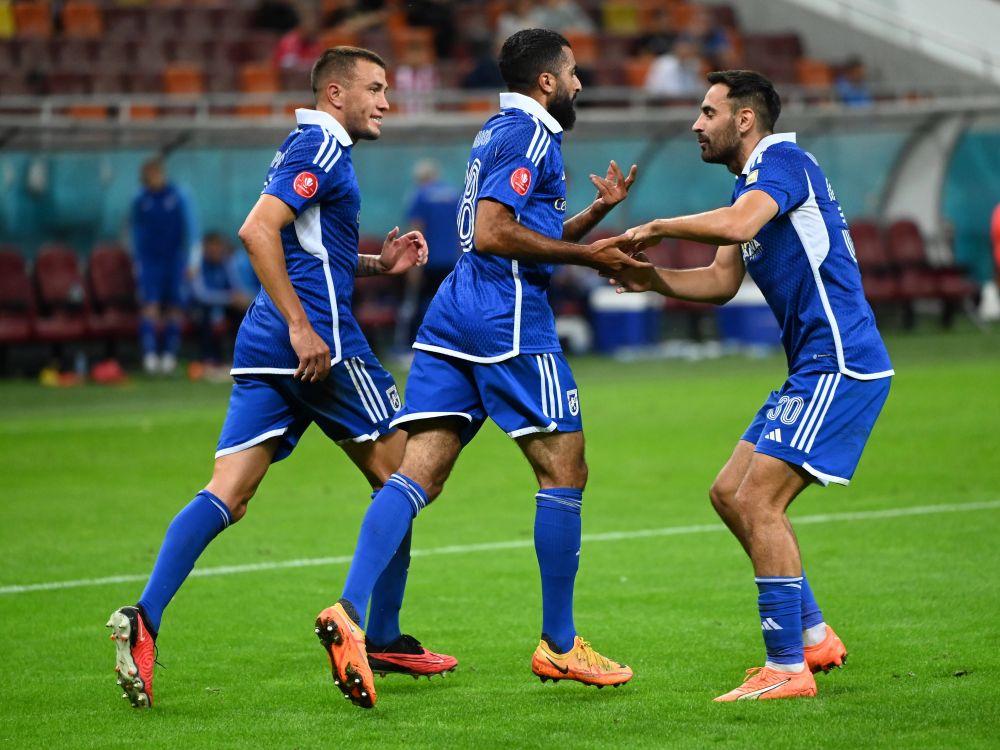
(325,121)
(512,100)
(769,140)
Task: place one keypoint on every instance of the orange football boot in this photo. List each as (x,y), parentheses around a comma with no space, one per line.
(828,654)
(765,683)
(580,663)
(344,642)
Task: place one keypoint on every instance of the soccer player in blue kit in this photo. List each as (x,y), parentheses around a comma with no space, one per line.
(488,348)
(300,358)
(786,229)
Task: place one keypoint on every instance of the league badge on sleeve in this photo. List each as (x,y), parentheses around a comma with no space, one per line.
(520,180)
(306,184)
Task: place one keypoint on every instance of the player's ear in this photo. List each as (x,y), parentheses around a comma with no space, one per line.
(746,120)
(546,82)
(334,93)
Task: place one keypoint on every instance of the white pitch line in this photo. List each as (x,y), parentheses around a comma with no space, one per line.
(461,549)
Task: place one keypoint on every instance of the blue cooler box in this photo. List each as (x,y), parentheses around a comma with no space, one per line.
(624,320)
(746,320)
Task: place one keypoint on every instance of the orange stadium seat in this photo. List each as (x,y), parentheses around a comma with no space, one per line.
(814,73)
(338,38)
(82,20)
(32,20)
(184,79)
(258,78)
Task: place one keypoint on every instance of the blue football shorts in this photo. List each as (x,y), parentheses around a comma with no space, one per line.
(525,394)
(819,421)
(161,283)
(353,405)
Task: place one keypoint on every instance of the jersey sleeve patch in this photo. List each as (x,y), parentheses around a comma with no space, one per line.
(306,184)
(520,180)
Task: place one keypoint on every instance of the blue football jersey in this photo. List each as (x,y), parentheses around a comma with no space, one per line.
(491,308)
(313,174)
(803,262)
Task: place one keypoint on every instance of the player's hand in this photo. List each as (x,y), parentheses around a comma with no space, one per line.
(608,258)
(313,353)
(634,279)
(639,238)
(613,188)
(401,253)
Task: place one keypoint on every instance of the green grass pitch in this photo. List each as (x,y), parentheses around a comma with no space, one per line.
(90,478)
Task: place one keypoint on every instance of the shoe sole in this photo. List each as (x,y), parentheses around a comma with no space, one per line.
(351,683)
(582,680)
(128,673)
(383,668)
(829,667)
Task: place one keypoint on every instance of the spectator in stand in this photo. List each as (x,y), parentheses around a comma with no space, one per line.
(852,84)
(275,15)
(298,47)
(711,41)
(438,15)
(432,210)
(355,15)
(416,78)
(564,16)
(163,231)
(219,298)
(677,73)
(520,14)
(485,73)
(659,35)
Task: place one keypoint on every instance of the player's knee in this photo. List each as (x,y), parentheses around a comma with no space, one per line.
(570,474)
(723,497)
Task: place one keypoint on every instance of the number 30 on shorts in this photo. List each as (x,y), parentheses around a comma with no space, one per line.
(788,407)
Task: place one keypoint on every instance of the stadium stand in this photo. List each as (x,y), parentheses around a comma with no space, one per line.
(62,302)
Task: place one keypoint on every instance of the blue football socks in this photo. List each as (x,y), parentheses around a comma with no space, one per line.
(198,523)
(780,603)
(172,337)
(383,530)
(147,335)
(387,596)
(811,614)
(557,546)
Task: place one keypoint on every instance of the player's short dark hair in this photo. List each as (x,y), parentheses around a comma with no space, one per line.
(339,62)
(748,88)
(527,54)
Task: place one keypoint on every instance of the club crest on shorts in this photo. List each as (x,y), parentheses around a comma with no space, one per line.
(394,399)
(574,402)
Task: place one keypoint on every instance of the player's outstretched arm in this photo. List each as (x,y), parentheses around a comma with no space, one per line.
(498,232)
(261,236)
(731,225)
(716,283)
(399,254)
(612,189)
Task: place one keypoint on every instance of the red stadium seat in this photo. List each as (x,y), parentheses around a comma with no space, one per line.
(62,300)
(17,299)
(878,274)
(111,281)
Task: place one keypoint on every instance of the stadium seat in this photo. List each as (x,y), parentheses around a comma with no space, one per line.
(111,282)
(879,276)
(17,299)
(82,20)
(62,300)
(259,77)
(814,73)
(919,279)
(32,20)
(184,79)
(688,254)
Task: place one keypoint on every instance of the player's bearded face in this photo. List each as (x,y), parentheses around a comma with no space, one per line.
(563,106)
(721,144)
